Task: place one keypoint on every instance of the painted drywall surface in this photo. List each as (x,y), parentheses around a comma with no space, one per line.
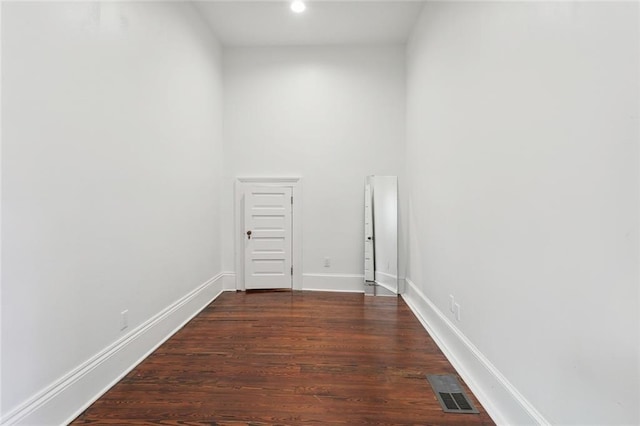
(522,154)
(332,115)
(110,174)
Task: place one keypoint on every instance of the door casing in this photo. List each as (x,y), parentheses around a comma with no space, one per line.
(241,185)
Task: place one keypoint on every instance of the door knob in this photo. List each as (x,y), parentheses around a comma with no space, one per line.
(249,234)
(369,238)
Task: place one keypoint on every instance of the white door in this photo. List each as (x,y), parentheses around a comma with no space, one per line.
(267,237)
(368,235)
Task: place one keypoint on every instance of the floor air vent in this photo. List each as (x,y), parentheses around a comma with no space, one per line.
(450,394)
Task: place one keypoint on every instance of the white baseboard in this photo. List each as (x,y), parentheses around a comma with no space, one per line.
(388,281)
(351,283)
(73,393)
(501,399)
(229,281)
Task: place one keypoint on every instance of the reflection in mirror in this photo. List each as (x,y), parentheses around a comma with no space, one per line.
(381,235)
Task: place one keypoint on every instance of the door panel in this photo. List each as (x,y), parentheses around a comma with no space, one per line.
(268,246)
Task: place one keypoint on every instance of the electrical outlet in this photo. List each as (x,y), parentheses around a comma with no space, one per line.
(456,308)
(327,262)
(452,302)
(124,319)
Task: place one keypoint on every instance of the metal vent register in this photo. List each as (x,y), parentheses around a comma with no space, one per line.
(450,394)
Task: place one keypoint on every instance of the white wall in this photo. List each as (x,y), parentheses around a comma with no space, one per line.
(332,115)
(522,155)
(111,146)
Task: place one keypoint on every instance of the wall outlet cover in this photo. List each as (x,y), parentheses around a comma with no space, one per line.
(124,319)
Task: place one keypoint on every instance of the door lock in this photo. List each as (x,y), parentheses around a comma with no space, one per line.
(249,234)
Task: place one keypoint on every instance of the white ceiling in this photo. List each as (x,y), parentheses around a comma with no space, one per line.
(271,23)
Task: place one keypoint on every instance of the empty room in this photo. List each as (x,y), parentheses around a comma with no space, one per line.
(325,212)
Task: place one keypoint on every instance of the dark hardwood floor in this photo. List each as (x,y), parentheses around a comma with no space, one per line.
(288,358)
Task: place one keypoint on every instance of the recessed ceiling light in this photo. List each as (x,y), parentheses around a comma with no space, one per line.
(298,6)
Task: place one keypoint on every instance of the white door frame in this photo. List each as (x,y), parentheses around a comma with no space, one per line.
(241,184)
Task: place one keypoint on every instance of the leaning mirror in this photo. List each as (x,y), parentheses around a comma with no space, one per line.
(381,235)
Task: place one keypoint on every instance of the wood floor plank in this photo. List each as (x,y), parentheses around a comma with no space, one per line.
(288,358)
